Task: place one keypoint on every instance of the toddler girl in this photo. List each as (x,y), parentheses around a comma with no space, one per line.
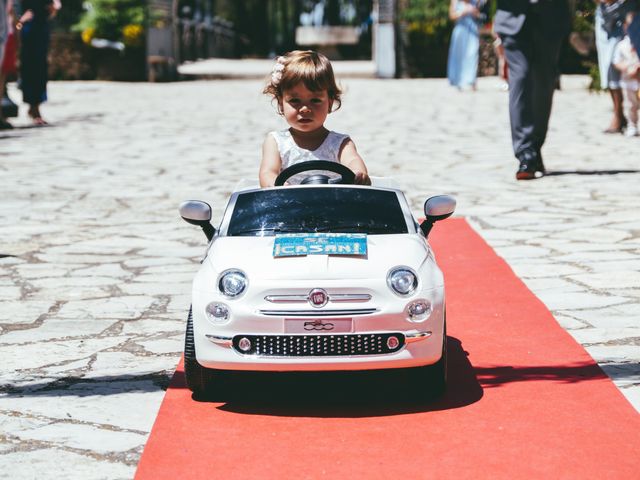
(303,85)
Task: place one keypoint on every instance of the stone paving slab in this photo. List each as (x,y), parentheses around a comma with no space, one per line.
(96,265)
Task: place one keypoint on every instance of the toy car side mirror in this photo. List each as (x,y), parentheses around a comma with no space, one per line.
(198,213)
(435,209)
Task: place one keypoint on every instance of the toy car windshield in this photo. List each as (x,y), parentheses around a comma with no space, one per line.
(307,210)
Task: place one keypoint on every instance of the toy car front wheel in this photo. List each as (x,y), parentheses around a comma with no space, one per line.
(199,379)
(431,381)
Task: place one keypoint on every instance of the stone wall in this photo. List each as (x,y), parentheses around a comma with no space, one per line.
(70,58)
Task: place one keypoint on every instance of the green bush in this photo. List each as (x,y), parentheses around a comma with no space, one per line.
(427,21)
(115,20)
(583,22)
(426,30)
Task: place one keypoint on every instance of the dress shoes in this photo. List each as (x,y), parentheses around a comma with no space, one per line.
(530,165)
(540,166)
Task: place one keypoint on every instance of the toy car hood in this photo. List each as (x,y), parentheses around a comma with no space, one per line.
(254,256)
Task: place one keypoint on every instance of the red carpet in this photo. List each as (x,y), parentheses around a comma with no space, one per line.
(524,401)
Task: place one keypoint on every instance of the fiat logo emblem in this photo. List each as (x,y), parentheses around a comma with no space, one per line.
(318,297)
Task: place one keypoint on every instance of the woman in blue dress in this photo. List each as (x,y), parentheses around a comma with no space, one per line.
(462,66)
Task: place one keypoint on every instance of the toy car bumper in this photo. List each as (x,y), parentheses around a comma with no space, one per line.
(319,352)
(357,336)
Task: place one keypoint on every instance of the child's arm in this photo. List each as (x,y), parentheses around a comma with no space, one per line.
(271,162)
(633,70)
(619,60)
(350,158)
(621,66)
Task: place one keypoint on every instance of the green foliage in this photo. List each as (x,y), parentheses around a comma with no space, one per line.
(594,73)
(427,21)
(583,20)
(427,29)
(109,18)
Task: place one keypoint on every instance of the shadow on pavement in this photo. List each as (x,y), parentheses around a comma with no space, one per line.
(17,128)
(556,173)
(325,394)
(84,387)
(3,137)
(491,377)
(347,394)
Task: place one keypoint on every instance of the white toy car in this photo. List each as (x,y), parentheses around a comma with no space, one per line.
(324,275)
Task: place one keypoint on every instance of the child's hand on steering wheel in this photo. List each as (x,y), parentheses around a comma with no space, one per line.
(362,179)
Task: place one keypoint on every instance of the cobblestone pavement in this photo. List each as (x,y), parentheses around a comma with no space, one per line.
(96,265)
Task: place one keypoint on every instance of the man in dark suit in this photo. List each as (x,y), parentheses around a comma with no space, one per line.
(532,32)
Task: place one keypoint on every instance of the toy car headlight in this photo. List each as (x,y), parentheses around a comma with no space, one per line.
(232,283)
(402,280)
(217,312)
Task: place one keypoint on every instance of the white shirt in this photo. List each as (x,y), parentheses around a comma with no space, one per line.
(291,153)
(625,53)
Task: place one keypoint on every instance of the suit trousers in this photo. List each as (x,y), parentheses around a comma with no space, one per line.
(532,58)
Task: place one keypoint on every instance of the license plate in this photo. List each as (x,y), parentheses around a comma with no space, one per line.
(291,245)
(316,325)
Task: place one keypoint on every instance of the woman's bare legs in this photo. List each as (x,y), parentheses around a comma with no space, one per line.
(34,113)
(618,122)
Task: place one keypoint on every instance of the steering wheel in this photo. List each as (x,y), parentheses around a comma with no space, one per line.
(347,177)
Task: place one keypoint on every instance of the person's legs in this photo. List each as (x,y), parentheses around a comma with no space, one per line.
(33,69)
(618,122)
(632,111)
(546,53)
(34,113)
(518,56)
(522,109)
(4,125)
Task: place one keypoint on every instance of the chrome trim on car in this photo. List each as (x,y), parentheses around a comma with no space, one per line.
(350,297)
(317,313)
(223,341)
(340,297)
(286,298)
(416,337)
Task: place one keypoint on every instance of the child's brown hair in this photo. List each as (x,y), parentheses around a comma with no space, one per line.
(307,67)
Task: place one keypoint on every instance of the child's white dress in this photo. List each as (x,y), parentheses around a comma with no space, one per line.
(291,153)
(625,53)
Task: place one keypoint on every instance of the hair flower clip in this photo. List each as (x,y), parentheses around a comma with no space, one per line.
(276,72)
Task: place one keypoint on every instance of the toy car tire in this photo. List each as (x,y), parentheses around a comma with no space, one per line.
(199,379)
(432,379)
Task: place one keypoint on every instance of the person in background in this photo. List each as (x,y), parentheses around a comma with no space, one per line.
(609,31)
(532,32)
(5,26)
(34,47)
(462,64)
(626,61)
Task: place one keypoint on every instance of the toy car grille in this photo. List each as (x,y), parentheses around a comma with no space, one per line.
(319,345)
